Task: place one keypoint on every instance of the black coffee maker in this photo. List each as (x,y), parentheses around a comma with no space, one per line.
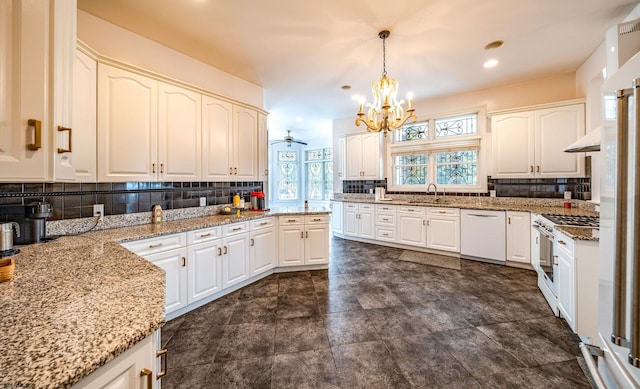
(32,221)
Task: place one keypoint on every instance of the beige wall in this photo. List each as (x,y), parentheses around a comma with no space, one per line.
(521,94)
(115,42)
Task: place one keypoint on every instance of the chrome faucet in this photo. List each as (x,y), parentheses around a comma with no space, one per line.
(435,191)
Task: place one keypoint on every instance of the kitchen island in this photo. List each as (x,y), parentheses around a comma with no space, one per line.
(78,302)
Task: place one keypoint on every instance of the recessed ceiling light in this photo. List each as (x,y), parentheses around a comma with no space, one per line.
(494,45)
(299,119)
(490,63)
(345,87)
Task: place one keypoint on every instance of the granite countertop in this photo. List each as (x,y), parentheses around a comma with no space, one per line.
(79,301)
(580,233)
(484,204)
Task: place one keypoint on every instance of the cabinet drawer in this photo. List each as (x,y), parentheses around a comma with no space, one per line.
(444,211)
(262,223)
(386,219)
(367,206)
(316,219)
(385,208)
(286,220)
(204,235)
(350,205)
(235,229)
(413,210)
(565,244)
(386,234)
(156,245)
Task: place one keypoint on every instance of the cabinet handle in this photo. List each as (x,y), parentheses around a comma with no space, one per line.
(219,251)
(37,128)
(153,246)
(236,229)
(424,222)
(153,168)
(266,172)
(235,171)
(252,242)
(161,168)
(291,220)
(339,174)
(225,249)
(410,210)
(531,169)
(442,211)
(230,170)
(162,353)
(555,260)
(307,234)
(317,220)
(301,234)
(205,235)
(384,219)
(184,261)
(562,242)
(147,372)
(509,220)
(264,223)
(61,129)
(427,223)
(385,234)
(537,240)
(537,169)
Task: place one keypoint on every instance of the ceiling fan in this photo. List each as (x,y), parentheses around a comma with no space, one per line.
(289,140)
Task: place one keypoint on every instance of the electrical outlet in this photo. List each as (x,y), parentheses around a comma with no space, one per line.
(567,195)
(98,211)
(492,193)
(203,201)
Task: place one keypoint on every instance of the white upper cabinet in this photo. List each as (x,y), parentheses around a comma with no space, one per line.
(37,44)
(245,143)
(85,75)
(263,148)
(363,156)
(230,141)
(179,133)
(529,144)
(217,116)
(147,130)
(127,126)
(339,158)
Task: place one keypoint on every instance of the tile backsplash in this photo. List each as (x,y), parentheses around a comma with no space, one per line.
(550,188)
(74,200)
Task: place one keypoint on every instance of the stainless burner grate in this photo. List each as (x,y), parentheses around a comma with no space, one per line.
(569,220)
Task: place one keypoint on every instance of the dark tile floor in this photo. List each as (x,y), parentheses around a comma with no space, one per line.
(372,321)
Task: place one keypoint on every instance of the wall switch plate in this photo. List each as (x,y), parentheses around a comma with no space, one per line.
(98,211)
(203,201)
(492,193)
(567,195)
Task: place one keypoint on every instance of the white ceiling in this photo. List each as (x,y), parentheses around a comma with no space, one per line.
(301,52)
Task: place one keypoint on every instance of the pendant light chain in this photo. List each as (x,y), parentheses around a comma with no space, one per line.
(384,57)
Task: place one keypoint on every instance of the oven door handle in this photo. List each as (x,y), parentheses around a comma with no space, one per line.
(546,234)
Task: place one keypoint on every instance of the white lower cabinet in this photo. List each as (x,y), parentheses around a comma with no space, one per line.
(174,264)
(263,250)
(303,240)
(443,229)
(518,237)
(359,220)
(134,369)
(412,226)
(235,259)
(204,270)
(566,287)
(336,217)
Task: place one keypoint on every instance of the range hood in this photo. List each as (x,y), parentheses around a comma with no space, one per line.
(589,142)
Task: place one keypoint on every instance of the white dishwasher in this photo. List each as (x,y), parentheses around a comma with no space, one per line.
(483,235)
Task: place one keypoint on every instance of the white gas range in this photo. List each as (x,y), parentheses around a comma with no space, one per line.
(545,239)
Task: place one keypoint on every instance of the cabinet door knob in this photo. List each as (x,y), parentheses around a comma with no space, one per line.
(230,170)
(153,168)
(235,171)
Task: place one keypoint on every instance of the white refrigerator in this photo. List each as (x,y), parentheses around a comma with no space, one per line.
(618,350)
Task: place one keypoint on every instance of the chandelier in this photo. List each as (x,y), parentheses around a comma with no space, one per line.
(386,112)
